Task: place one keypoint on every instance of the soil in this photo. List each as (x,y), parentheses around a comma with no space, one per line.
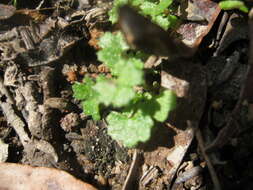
(45,126)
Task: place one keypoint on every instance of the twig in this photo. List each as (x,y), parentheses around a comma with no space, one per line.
(5,91)
(33,118)
(131,176)
(212,172)
(224,21)
(15,122)
(47,79)
(12,118)
(188,174)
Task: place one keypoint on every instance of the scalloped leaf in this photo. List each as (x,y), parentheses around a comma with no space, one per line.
(167,102)
(113,45)
(83,90)
(127,130)
(130,74)
(112,93)
(91,107)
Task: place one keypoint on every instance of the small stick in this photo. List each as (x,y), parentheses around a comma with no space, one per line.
(211,169)
(131,176)
(12,118)
(16,122)
(5,91)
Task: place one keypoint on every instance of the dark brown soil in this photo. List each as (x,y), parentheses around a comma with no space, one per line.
(36,87)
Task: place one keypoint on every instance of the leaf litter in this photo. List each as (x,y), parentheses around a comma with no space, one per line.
(34,49)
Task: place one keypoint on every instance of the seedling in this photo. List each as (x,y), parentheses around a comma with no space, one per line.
(133,112)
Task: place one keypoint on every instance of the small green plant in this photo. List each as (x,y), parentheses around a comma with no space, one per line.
(233,4)
(133,112)
(138,111)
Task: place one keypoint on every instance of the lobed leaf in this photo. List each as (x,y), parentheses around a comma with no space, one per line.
(111,93)
(114,41)
(156,11)
(162,21)
(130,75)
(106,90)
(148,8)
(91,107)
(167,102)
(83,90)
(129,131)
(123,96)
(113,45)
(109,57)
(157,106)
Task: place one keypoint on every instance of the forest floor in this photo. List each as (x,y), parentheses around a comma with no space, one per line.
(205,144)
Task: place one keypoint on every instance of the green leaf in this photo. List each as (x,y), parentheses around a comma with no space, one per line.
(162,21)
(162,6)
(173,20)
(167,102)
(106,90)
(136,62)
(113,46)
(111,93)
(148,8)
(114,41)
(123,96)
(116,69)
(129,131)
(156,11)
(136,3)
(113,14)
(130,74)
(83,90)
(148,104)
(109,57)
(80,91)
(139,109)
(233,4)
(91,107)
(159,106)
(134,104)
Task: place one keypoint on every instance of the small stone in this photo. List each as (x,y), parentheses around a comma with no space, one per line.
(69,122)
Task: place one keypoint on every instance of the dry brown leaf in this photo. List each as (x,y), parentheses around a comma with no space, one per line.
(24,177)
(6,11)
(193,32)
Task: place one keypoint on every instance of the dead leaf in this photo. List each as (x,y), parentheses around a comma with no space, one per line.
(24,177)
(193,32)
(6,11)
